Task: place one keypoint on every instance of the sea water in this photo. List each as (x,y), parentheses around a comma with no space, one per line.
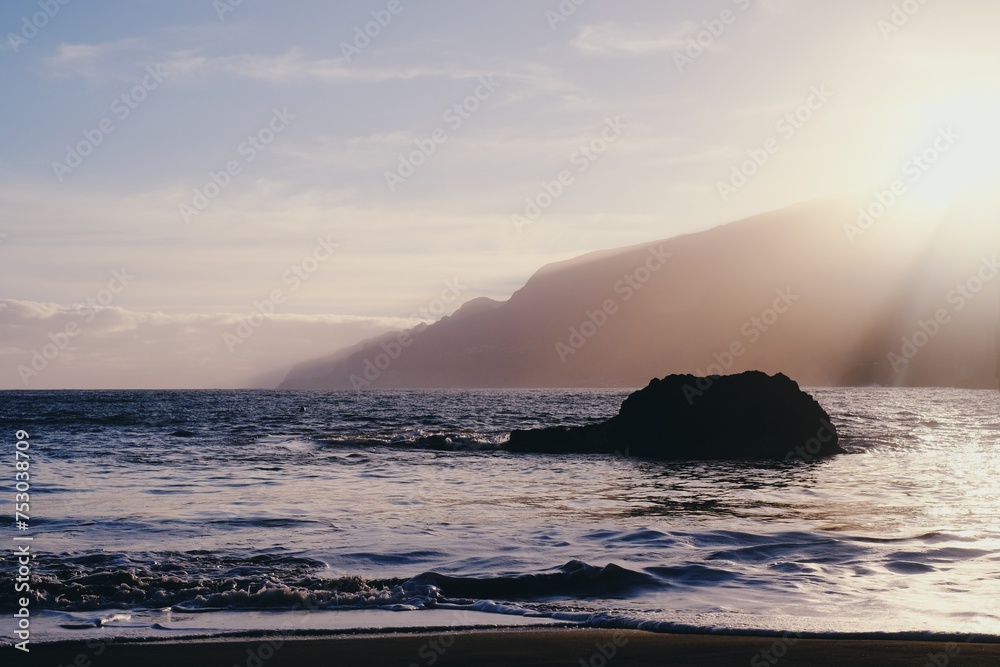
(177,513)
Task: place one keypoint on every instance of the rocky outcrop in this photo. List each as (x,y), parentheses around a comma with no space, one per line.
(682,417)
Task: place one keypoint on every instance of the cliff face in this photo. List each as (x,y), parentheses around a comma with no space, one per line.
(810,291)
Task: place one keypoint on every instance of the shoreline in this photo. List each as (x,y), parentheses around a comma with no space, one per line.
(529,646)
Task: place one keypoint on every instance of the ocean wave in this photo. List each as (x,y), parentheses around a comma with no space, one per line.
(575,579)
(97,581)
(95,622)
(192,582)
(447,442)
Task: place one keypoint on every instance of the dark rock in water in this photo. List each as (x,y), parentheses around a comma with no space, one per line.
(682,417)
(182,433)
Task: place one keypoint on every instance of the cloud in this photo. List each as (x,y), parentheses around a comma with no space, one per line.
(71,53)
(75,346)
(616,39)
(104,59)
(91,60)
(294,66)
(393,257)
(107,60)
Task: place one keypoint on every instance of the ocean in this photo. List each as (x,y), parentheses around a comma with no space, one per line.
(164,514)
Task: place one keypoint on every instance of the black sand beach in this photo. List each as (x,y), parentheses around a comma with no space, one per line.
(563,647)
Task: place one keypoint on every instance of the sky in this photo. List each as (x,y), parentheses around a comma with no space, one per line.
(199,194)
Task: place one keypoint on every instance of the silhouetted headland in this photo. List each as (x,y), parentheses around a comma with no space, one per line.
(751,415)
(605,318)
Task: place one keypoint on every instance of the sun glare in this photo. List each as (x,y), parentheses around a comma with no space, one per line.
(957,151)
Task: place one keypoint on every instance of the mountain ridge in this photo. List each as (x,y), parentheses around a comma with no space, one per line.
(793,291)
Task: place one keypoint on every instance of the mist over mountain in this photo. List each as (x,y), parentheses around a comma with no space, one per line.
(831,292)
